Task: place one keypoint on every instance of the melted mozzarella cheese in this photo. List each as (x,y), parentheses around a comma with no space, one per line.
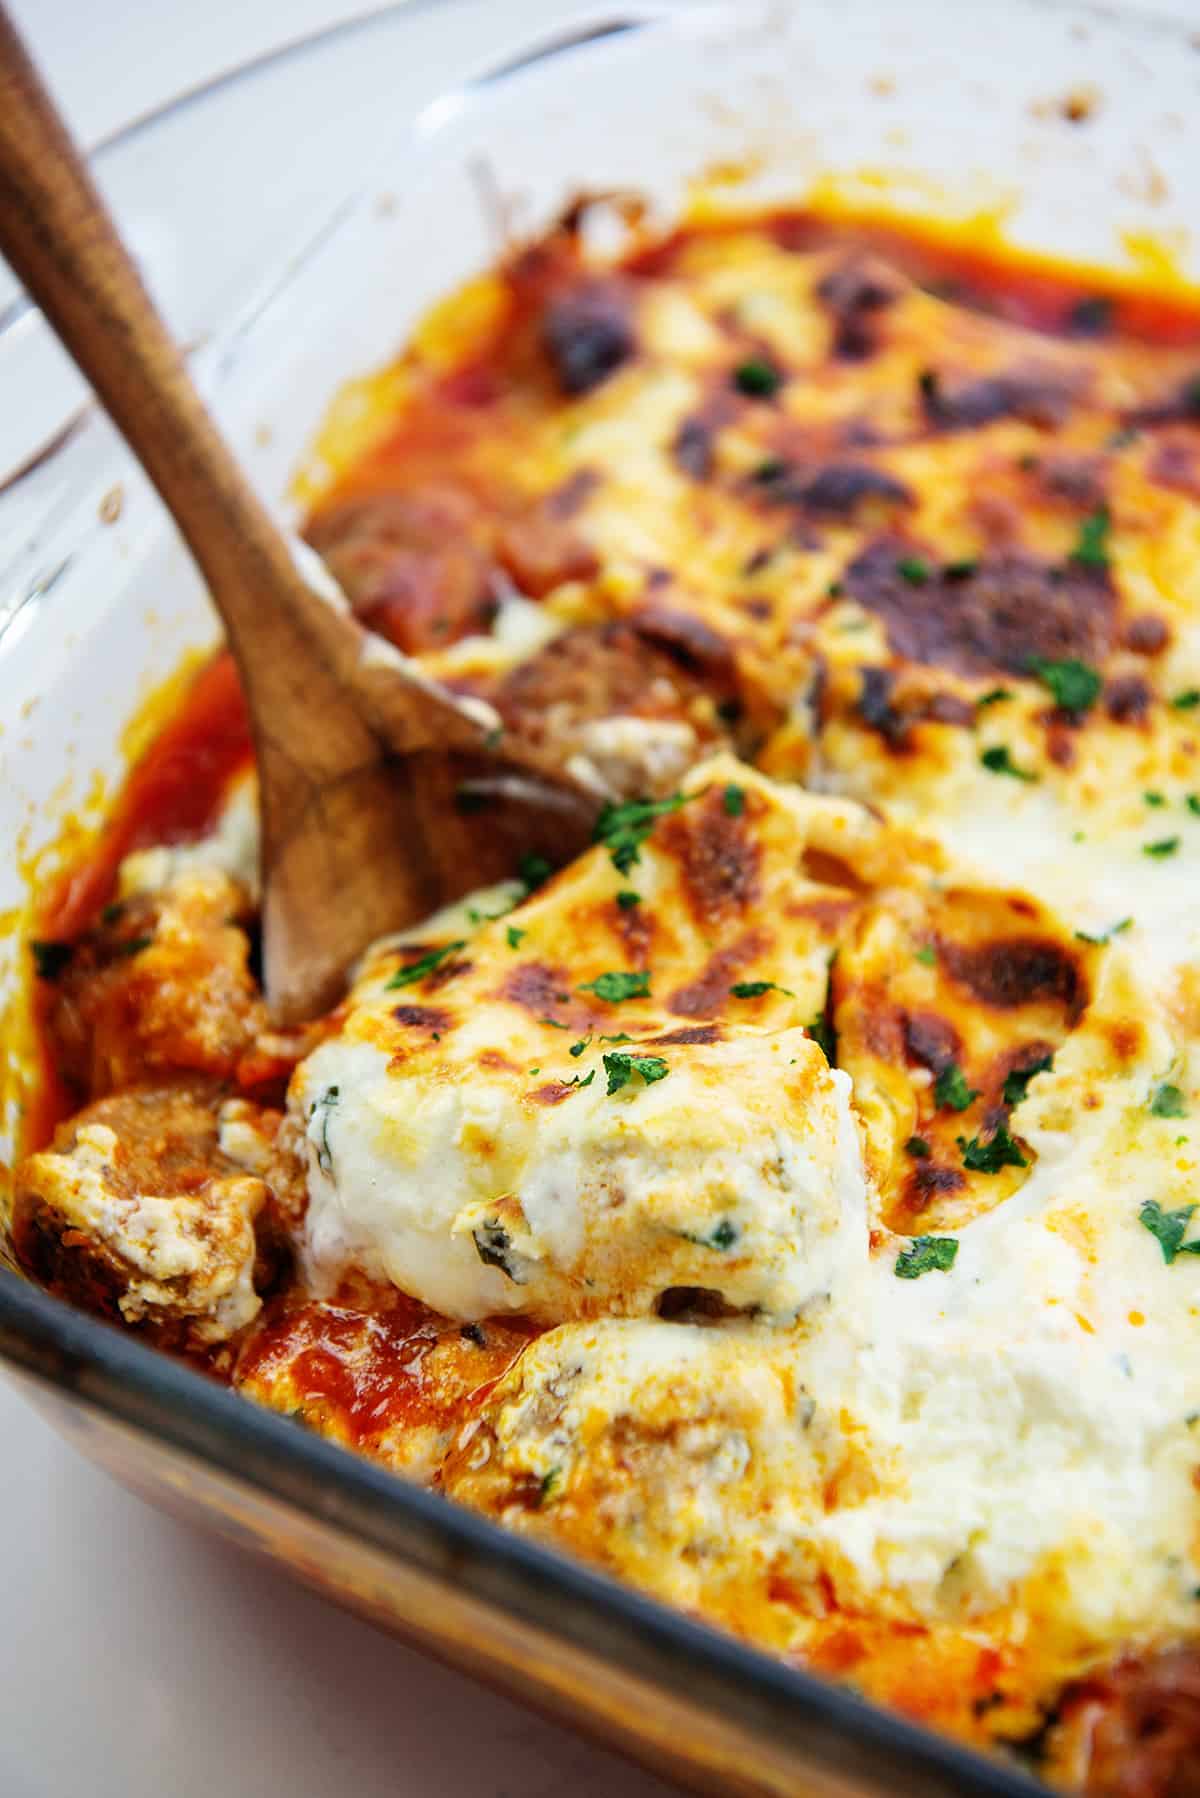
(465,1148)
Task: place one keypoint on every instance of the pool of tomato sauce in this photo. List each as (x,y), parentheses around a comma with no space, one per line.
(174,793)
(369,1370)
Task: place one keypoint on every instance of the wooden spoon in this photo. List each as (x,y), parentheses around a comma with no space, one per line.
(361,757)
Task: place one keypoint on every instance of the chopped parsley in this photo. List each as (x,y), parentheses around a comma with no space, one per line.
(989,1157)
(918,1148)
(993,696)
(550,1484)
(1167,1228)
(926,1255)
(1188,700)
(1091,546)
(621,1068)
(1165,846)
(514,936)
(533,871)
(734,801)
(1016,1083)
(50,958)
(1193,803)
(722,1236)
(1168,1102)
(577,1049)
(627,899)
(1073,686)
(554,1024)
(132,945)
(913,569)
(424,965)
(328,1099)
(757,377)
(494,1247)
(998,760)
(927,955)
(1154,799)
(622,829)
(585,1081)
(754,989)
(614,988)
(821,1032)
(1105,936)
(950,1089)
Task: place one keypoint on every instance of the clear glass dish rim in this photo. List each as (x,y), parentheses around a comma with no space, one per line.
(97,1367)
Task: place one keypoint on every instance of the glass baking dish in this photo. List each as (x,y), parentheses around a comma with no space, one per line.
(1072,129)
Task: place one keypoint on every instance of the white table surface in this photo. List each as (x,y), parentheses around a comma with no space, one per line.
(138,1658)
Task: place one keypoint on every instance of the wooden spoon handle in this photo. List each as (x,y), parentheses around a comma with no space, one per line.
(298,658)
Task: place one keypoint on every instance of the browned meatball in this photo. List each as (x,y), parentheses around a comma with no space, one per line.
(412,565)
(1132,1731)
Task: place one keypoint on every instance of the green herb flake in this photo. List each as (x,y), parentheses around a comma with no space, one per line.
(1162,848)
(950,1089)
(1193,803)
(132,945)
(1073,686)
(722,1236)
(913,569)
(577,1049)
(1167,1228)
(620,1069)
(993,696)
(1091,546)
(423,966)
(918,1148)
(514,936)
(1168,1102)
(1105,936)
(1154,799)
(622,829)
(757,377)
(754,989)
(821,1032)
(585,1081)
(734,801)
(627,899)
(614,988)
(989,1157)
(325,1104)
(1187,701)
(998,760)
(927,955)
(926,1255)
(50,958)
(550,1484)
(961,570)
(553,1024)
(1016,1083)
(533,871)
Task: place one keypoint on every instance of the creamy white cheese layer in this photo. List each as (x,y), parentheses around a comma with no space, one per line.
(725,1175)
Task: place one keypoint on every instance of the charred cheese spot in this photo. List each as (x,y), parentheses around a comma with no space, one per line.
(1008,610)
